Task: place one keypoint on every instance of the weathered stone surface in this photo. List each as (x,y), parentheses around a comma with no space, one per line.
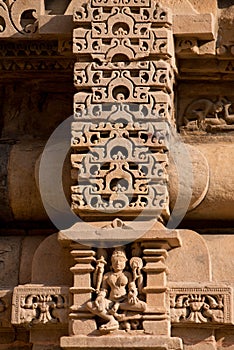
(29,246)
(221,250)
(120,341)
(198,268)
(125,52)
(225,339)
(51,264)
(9,256)
(196,339)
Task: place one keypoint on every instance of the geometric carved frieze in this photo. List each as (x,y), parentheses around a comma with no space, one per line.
(122,109)
(209,305)
(120,165)
(50,55)
(132,27)
(39,305)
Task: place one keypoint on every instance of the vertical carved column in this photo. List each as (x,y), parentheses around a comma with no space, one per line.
(123,111)
(155,289)
(81,321)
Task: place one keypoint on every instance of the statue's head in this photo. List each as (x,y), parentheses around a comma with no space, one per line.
(118,259)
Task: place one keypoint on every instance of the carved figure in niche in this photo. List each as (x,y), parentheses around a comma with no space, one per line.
(204,111)
(117,300)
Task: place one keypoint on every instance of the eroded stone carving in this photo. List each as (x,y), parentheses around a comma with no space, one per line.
(200,305)
(209,116)
(34,305)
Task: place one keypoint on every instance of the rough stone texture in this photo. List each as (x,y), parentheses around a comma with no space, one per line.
(10,249)
(29,246)
(196,339)
(51,263)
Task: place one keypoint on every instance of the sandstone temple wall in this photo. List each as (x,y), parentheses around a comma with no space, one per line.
(116,174)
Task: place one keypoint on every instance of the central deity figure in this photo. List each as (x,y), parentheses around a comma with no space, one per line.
(119,290)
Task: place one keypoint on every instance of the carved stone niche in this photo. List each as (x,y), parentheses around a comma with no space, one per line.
(120,294)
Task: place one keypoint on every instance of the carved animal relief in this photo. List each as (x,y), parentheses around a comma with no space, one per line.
(194,305)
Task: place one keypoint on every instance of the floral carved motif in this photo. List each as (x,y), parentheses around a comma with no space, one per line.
(40,305)
(197,305)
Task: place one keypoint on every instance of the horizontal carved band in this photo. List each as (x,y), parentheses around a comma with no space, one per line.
(201,305)
(35,304)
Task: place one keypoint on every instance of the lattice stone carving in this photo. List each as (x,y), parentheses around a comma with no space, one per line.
(34,305)
(121,166)
(122,109)
(19,17)
(201,305)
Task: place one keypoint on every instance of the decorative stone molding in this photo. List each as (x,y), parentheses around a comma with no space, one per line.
(19,17)
(38,305)
(31,56)
(201,305)
(122,100)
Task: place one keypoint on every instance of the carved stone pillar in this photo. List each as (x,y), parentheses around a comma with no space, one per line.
(81,320)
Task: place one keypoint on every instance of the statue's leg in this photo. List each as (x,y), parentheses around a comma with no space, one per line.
(112,323)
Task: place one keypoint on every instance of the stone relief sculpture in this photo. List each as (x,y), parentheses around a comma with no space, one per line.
(194,305)
(40,305)
(209,116)
(117,300)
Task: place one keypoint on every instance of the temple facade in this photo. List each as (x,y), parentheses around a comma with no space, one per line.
(116,169)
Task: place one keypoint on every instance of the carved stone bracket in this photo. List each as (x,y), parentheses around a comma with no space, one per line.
(201,305)
(38,305)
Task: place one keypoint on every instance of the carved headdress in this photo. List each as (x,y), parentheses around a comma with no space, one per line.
(119,252)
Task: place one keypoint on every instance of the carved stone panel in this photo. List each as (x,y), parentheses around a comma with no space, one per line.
(122,109)
(37,305)
(211,305)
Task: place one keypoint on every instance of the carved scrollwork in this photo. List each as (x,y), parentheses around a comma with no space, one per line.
(120,172)
(40,305)
(19,17)
(122,108)
(200,305)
